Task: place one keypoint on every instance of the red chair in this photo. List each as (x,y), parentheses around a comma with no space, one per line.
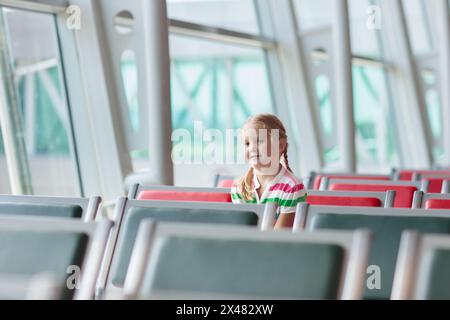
(407,175)
(318,178)
(404,194)
(434,184)
(437,204)
(225,183)
(344,201)
(184,196)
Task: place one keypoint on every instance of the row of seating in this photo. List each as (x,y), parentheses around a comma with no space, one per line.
(349,193)
(430,180)
(184,259)
(106,251)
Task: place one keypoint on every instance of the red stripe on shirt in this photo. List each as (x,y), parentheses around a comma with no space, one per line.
(286,188)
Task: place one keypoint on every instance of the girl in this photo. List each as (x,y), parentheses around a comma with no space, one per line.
(269,178)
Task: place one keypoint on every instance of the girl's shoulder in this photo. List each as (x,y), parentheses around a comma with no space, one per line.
(291,179)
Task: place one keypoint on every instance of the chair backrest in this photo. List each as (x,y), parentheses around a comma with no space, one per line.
(69,249)
(422,267)
(351,198)
(64,207)
(222,177)
(318,177)
(408,175)
(228,183)
(387,224)
(435,184)
(431,200)
(194,259)
(131,213)
(404,190)
(141,192)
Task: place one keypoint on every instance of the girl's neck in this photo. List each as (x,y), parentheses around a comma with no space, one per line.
(264,179)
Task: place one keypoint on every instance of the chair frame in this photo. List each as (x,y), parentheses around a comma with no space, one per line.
(356,245)
(89,205)
(97,232)
(265,213)
(411,260)
(420,198)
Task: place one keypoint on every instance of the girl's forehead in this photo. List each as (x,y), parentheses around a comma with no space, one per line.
(254,132)
(253,127)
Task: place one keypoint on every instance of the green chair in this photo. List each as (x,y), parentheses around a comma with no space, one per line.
(64,248)
(423,266)
(245,262)
(130,213)
(62,207)
(386,224)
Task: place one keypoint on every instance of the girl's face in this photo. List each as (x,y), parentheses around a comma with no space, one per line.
(261,151)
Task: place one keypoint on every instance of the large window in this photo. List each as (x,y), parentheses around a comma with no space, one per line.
(4,181)
(374,133)
(215,85)
(237,15)
(421,35)
(41,105)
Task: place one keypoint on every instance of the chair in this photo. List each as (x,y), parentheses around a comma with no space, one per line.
(404,189)
(316,178)
(131,213)
(387,224)
(413,174)
(431,200)
(196,259)
(376,199)
(65,207)
(65,248)
(351,198)
(141,192)
(422,267)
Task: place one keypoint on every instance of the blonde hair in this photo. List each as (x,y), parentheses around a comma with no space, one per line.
(269,122)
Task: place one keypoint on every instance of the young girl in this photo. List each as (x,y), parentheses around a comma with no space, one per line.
(269,178)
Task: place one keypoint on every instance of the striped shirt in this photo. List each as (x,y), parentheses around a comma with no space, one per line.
(285,189)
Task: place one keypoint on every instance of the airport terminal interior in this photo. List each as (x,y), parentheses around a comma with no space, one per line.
(128,170)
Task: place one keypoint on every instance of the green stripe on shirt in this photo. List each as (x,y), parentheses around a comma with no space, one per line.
(285,203)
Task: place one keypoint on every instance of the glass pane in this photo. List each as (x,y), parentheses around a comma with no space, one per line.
(130,83)
(419,28)
(5,187)
(323,96)
(365,24)
(236,15)
(213,86)
(313,15)
(46,123)
(435,117)
(374,134)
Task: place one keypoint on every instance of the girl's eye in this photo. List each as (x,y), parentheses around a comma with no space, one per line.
(247,143)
